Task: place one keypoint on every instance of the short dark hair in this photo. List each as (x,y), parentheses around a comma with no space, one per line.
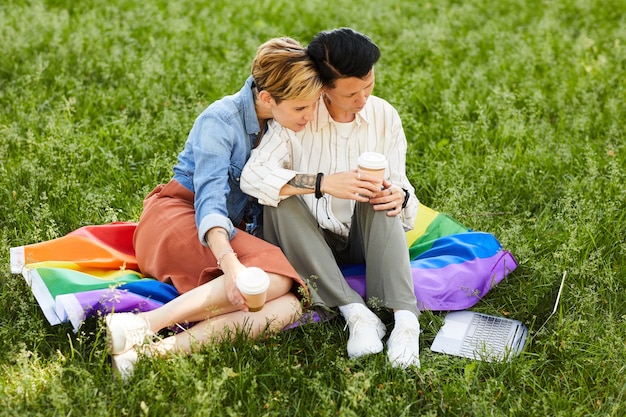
(342,53)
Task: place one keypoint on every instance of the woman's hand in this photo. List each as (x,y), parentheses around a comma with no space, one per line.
(390,198)
(219,242)
(232,292)
(351,185)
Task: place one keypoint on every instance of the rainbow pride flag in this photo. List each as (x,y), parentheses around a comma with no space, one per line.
(89,272)
(453,267)
(93,270)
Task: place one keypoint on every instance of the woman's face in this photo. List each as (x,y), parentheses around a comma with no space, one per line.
(350,94)
(294,114)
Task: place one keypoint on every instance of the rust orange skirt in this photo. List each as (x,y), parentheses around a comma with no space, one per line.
(167,246)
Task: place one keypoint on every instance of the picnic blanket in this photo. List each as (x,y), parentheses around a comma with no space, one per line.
(93,270)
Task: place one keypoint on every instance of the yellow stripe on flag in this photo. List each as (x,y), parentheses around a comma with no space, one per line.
(101,273)
(425,216)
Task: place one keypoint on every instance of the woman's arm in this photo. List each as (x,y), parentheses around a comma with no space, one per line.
(219,242)
(347,185)
(214,142)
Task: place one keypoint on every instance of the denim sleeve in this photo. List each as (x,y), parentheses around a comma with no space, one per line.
(212,144)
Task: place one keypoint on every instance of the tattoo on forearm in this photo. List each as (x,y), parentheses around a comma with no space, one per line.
(220,231)
(305,181)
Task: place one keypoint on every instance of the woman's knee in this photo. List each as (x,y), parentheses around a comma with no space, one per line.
(279,285)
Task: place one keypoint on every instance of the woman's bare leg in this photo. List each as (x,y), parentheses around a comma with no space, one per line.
(274,316)
(207,301)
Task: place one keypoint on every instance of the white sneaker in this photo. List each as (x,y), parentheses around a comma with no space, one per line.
(366,331)
(125,331)
(403,344)
(124,363)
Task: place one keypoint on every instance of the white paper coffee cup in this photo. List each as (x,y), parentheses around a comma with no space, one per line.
(253,283)
(373,163)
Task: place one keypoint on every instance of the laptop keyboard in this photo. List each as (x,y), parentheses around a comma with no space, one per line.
(487,337)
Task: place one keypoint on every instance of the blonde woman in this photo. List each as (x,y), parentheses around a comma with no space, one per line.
(192,230)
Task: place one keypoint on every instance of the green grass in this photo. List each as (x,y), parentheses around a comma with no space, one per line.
(515,115)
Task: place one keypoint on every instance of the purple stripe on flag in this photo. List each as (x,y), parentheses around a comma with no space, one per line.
(456,286)
(460,286)
(78,306)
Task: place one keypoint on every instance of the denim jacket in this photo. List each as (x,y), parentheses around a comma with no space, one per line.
(210,165)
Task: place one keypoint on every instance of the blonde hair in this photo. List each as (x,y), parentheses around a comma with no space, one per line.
(282,67)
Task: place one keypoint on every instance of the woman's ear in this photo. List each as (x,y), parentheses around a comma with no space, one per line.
(265,98)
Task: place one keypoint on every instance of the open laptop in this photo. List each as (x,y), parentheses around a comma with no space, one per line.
(484,337)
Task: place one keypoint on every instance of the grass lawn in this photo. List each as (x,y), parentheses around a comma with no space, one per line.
(515,112)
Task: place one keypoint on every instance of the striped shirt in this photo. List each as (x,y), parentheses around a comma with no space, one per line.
(329,147)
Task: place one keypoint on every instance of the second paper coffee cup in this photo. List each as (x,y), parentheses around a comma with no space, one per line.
(253,283)
(373,163)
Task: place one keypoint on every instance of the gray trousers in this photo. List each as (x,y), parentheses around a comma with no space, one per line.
(375,239)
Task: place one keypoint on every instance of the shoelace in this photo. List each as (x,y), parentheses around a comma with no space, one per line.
(358,320)
(137,335)
(404,336)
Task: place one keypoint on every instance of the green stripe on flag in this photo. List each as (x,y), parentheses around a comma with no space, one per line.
(442,225)
(67,281)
